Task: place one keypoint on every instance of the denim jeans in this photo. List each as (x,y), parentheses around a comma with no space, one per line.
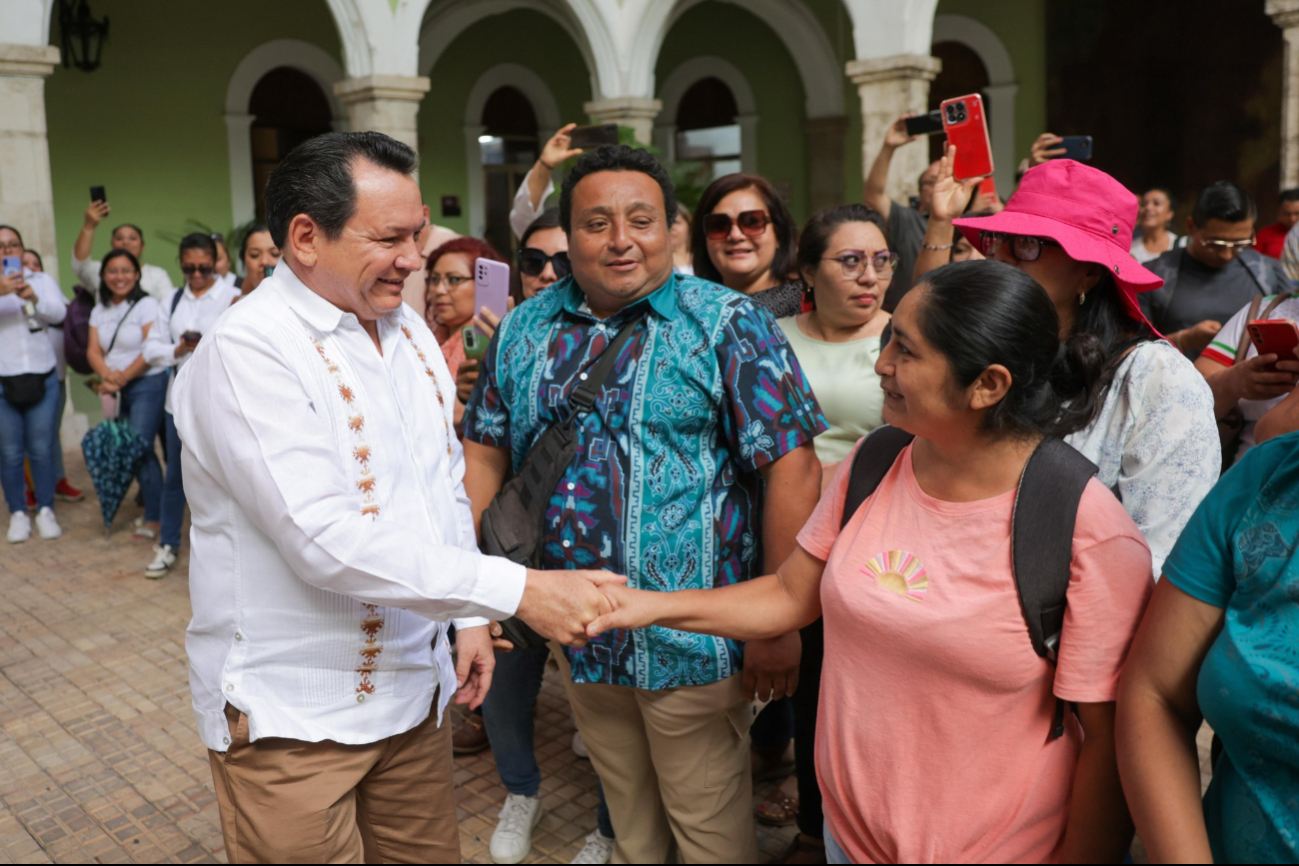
(59,472)
(173,488)
(507,717)
(29,432)
(833,852)
(141,405)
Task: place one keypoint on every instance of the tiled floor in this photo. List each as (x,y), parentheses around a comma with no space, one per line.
(99,759)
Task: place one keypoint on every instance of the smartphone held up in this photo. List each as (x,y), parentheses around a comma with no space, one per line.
(491,291)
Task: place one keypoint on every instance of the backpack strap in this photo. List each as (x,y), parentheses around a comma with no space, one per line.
(175,300)
(1046,509)
(873,460)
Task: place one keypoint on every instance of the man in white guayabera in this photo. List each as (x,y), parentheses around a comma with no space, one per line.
(332,539)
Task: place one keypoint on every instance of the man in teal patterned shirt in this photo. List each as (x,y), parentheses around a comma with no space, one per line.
(694,470)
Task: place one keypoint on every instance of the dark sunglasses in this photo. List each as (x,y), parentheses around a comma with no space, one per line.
(1025,248)
(533,261)
(190,270)
(717,226)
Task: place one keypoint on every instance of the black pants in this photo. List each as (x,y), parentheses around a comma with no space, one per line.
(810,817)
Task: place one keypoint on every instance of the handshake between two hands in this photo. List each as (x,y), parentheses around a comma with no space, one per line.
(565,606)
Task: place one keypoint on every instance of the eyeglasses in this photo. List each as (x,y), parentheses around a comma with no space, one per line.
(533,261)
(12,245)
(191,270)
(1225,246)
(453,281)
(717,226)
(854,264)
(1025,248)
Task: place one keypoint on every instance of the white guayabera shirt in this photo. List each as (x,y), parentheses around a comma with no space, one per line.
(332,537)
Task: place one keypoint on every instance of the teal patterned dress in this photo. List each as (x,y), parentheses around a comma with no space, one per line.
(1238,553)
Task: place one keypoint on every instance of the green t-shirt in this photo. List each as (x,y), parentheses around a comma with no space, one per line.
(843,378)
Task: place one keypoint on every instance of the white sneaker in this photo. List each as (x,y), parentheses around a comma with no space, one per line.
(20,527)
(46,525)
(598,849)
(579,747)
(512,838)
(164,558)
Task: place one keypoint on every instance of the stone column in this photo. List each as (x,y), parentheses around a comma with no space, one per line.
(384,103)
(890,87)
(1286,15)
(26,193)
(825,150)
(638,112)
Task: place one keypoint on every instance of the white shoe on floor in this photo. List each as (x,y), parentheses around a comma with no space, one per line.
(512,838)
(20,527)
(46,525)
(579,747)
(164,558)
(598,849)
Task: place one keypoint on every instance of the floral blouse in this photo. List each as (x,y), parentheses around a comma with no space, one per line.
(1156,443)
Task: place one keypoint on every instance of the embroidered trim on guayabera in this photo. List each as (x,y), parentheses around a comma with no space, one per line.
(373,622)
(428,371)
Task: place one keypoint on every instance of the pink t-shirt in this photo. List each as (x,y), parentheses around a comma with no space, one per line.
(932,740)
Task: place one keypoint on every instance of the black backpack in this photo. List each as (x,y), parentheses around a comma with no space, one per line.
(1041,536)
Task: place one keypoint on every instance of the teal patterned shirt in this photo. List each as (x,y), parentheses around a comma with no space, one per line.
(665,487)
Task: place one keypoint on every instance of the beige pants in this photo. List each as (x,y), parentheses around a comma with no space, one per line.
(289,801)
(675,768)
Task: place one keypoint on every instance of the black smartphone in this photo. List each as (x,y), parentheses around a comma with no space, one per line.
(925,124)
(1077,147)
(191,336)
(587,137)
(97,194)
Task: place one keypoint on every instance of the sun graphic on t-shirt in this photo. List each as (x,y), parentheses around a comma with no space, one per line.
(899,571)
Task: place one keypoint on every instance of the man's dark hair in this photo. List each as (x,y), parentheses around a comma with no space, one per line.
(1222,201)
(1290,194)
(616,157)
(315,178)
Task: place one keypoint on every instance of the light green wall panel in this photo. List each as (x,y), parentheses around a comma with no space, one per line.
(527,38)
(148,124)
(1021,24)
(763,59)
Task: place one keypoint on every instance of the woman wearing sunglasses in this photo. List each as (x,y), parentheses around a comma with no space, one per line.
(183,317)
(542,260)
(744,238)
(1153,435)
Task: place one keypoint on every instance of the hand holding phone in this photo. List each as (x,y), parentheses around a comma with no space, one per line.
(491,289)
(97,194)
(967,129)
(1278,337)
(1077,147)
(191,337)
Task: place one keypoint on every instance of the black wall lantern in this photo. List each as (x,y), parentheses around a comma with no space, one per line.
(83,36)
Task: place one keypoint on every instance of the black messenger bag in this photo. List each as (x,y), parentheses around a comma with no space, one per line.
(512,524)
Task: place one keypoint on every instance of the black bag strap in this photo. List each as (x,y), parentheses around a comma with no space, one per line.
(870,464)
(175,300)
(1042,526)
(582,398)
(120,323)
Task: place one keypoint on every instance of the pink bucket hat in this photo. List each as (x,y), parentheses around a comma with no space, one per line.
(1085,211)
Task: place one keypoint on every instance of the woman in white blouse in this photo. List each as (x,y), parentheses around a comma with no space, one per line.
(183,317)
(1153,436)
(119,325)
(30,303)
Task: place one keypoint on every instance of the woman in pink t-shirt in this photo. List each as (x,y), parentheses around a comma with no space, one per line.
(934,740)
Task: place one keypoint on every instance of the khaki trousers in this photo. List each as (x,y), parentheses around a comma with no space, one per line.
(289,801)
(675,768)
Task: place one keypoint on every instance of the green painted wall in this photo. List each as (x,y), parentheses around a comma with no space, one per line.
(1021,24)
(524,37)
(763,59)
(148,124)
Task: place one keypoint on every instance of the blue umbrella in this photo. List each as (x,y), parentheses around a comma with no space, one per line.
(113,452)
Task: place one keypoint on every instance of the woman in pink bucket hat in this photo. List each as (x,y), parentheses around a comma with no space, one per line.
(1154,438)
